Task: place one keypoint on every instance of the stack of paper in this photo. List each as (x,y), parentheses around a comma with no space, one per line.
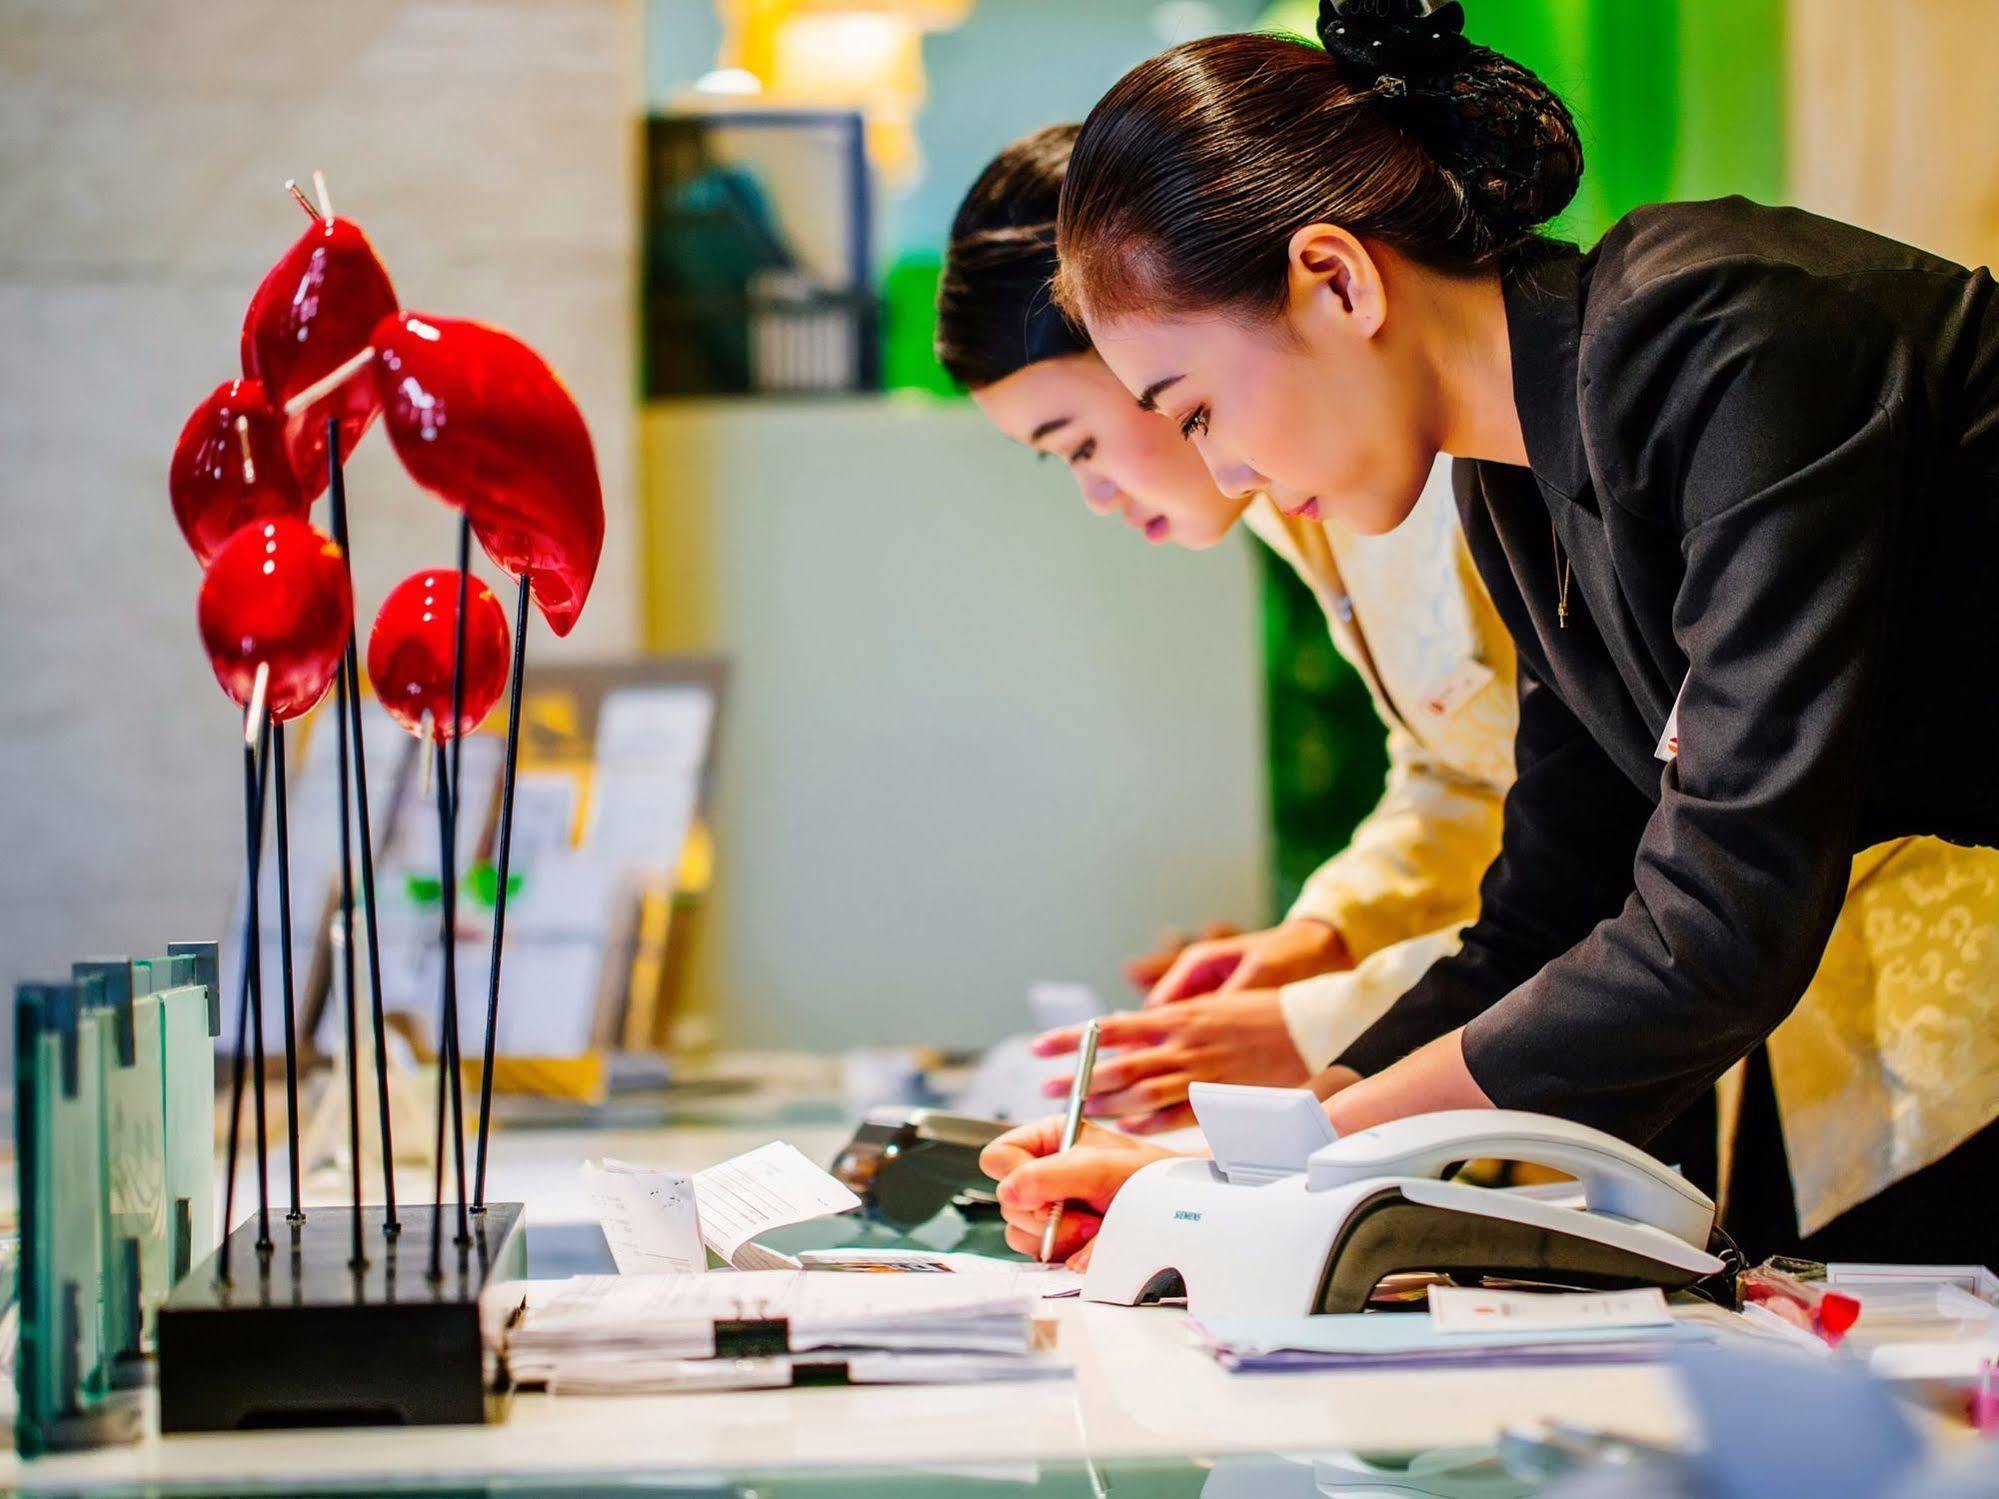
(606,1333)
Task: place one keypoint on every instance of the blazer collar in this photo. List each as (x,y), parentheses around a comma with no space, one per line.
(1544,289)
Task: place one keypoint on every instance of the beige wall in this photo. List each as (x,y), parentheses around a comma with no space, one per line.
(1894,119)
(486,146)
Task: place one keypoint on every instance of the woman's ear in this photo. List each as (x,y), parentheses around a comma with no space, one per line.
(1332,277)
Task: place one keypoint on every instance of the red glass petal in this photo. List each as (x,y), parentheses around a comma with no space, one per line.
(277,594)
(312,314)
(481,421)
(230,467)
(414,641)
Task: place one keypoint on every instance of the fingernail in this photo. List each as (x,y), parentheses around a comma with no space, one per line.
(1055,1089)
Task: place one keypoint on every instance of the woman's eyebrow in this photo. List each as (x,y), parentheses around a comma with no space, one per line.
(1045,428)
(1149,400)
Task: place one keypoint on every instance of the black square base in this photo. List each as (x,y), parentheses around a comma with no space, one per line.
(302,1337)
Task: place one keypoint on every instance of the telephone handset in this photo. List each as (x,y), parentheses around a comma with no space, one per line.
(1615,1177)
(1287,1220)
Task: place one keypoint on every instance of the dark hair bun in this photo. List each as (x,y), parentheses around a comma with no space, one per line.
(1501,132)
(1516,146)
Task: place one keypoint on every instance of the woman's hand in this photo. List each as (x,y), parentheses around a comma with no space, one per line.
(1148,968)
(1222,1038)
(1298,949)
(1035,1174)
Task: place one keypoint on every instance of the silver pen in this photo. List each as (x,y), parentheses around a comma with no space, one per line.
(1072,1122)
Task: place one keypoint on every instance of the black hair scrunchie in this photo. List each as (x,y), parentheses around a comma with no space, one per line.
(1391,45)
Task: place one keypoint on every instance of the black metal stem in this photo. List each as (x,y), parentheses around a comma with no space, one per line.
(505,852)
(350,686)
(464,1236)
(255,769)
(282,818)
(253,825)
(342,701)
(448,1065)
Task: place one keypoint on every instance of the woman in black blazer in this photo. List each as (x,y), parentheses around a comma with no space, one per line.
(1731,477)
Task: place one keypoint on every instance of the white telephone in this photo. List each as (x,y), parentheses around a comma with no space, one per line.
(1288,1220)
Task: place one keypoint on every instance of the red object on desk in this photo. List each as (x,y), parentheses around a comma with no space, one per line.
(480,420)
(1810,1304)
(276,595)
(231,467)
(413,644)
(312,313)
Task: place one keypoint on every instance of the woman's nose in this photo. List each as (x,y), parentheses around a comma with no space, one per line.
(1099,493)
(1236,480)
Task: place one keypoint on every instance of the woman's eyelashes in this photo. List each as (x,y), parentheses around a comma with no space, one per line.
(1195,421)
(1084,452)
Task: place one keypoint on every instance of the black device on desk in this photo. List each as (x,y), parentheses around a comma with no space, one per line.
(908,1165)
(302,1335)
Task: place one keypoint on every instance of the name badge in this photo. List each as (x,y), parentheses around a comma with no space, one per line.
(1669,737)
(1459,688)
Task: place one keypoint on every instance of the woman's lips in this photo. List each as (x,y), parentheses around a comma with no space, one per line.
(1307,511)
(1156,529)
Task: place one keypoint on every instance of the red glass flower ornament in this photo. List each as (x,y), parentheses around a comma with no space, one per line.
(311,315)
(277,595)
(480,420)
(230,467)
(411,648)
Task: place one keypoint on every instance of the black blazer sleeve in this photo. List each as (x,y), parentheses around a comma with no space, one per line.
(1768,424)
(1569,825)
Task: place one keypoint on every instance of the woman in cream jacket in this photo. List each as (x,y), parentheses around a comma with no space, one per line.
(1375,917)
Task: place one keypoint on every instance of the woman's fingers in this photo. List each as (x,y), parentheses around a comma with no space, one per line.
(1147,969)
(1088,1174)
(1032,1142)
(1079,1229)
(1115,1074)
(1019,1145)
(1144,1097)
(1126,1028)
(1175,1116)
(1295,949)
(1198,970)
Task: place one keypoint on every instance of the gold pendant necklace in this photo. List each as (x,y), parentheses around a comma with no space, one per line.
(1561,580)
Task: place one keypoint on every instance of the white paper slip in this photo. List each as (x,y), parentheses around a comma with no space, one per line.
(649,1217)
(1465,682)
(1043,1281)
(664,1222)
(1669,737)
(773,1186)
(1470,1309)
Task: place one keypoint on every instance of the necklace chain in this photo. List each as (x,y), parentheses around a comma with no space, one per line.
(1562,572)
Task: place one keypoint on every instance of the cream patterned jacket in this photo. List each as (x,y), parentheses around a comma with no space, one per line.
(1889,1062)
(1407,611)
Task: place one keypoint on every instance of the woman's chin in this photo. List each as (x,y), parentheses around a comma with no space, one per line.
(1369,515)
(1204,540)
